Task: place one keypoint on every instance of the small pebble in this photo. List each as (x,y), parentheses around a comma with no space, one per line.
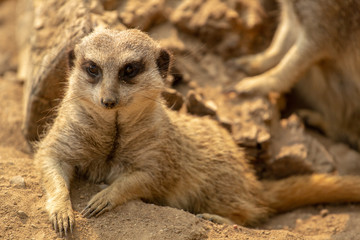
(22,214)
(299,221)
(324,213)
(18,181)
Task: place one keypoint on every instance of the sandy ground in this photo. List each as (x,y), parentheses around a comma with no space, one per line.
(23,216)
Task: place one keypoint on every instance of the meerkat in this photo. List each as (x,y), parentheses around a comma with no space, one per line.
(319,43)
(113,127)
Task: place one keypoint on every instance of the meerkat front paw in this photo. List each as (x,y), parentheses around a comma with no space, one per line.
(62,218)
(100,203)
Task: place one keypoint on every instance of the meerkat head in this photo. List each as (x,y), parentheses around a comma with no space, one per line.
(113,69)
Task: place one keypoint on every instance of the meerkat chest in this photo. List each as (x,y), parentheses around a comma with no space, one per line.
(118,154)
(95,148)
(108,150)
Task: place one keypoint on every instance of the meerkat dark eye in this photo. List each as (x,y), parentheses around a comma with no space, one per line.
(130,70)
(93,70)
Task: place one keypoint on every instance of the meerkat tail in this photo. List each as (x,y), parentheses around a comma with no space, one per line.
(297,191)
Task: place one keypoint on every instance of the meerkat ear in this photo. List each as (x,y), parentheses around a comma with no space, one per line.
(163,62)
(71,58)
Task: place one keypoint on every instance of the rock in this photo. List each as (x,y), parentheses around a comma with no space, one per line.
(22,215)
(174,99)
(196,105)
(110,4)
(141,14)
(250,120)
(294,152)
(324,212)
(225,122)
(18,182)
(221,24)
(107,19)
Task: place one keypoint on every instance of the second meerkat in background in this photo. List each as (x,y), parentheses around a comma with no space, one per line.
(318,43)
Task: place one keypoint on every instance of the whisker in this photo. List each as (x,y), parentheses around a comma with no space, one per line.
(73,98)
(155,100)
(52,110)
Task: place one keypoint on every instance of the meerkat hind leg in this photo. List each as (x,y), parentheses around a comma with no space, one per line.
(283,39)
(284,75)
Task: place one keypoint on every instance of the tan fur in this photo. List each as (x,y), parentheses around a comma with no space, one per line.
(146,151)
(317,42)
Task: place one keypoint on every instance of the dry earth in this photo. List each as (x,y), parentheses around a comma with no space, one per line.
(22,213)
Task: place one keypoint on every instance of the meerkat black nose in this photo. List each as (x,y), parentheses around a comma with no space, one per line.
(108,102)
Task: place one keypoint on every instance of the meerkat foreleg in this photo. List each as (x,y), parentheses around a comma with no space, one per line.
(128,186)
(57,176)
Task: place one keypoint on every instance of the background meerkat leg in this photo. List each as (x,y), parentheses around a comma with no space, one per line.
(284,38)
(126,187)
(284,75)
(57,177)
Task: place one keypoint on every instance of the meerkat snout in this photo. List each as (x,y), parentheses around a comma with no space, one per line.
(108,102)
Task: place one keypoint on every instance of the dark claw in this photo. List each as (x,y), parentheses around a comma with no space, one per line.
(92,213)
(61,232)
(71,223)
(61,227)
(86,208)
(55,225)
(98,212)
(86,211)
(102,210)
(89,212)
(66,226)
